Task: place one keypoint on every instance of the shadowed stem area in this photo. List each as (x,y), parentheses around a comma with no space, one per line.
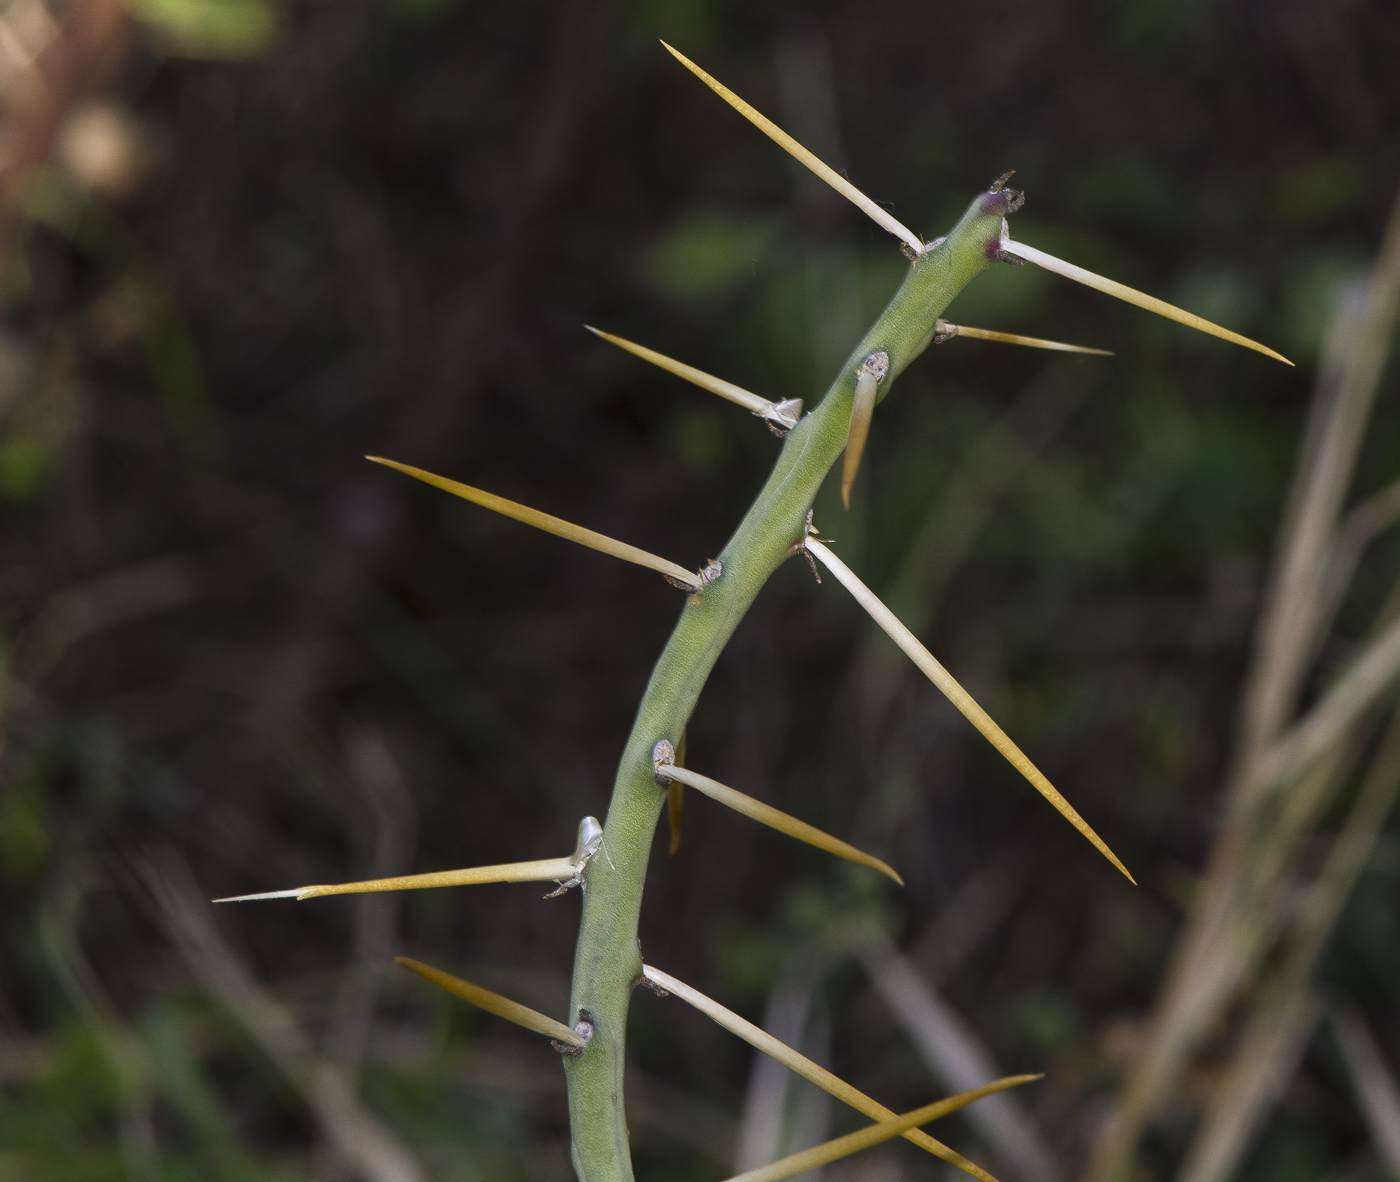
(608,961)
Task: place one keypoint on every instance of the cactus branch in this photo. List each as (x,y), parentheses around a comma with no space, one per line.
(607,960)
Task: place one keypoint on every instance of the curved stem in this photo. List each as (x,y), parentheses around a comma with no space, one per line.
(607,961)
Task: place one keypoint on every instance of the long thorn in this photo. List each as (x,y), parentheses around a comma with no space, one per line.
(551,525)
(1131,295)
(494,1003)
(803,1066)
(781,414)
(548,870)
(766,814)
(868,378)
(885,1130)
(957,695)
(862,408)
(944,331)
(791,146)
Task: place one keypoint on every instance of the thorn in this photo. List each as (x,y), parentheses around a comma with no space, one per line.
(766,814)
(494,1003)
(885,1130)
(541,871)
(781,417)
(833,178)
(868,378)
(803,1066)
(960,698)
(1130,295)
(676,574)
(295,893)
(943,331)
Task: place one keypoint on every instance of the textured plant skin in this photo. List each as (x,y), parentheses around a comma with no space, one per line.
(607,961)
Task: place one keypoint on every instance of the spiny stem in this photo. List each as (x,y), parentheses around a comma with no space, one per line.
(955,693)
(607,961)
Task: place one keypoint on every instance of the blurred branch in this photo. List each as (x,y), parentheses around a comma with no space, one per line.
(960,1062)
(783,1114)
(58,919)
(1283,1017)
(69,616)
(1357,347)
(1375,1085)
(389,830)
(474,318)
(1285,770)
(67,70)
(1360,527)
(943,540)
(357,1136)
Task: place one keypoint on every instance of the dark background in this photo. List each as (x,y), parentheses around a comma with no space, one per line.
(235,646)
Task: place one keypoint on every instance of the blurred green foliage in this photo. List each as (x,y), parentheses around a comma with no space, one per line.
(376,226)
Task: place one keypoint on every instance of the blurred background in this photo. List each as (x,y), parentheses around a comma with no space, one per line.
(243,243)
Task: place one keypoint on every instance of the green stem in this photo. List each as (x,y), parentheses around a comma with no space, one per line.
(608,961)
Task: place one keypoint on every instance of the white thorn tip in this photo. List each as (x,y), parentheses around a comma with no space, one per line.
(296,893)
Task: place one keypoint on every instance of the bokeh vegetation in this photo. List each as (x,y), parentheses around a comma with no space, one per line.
(255,243)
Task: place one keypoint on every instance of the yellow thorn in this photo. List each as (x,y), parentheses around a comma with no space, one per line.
(958,696)
(766,814)
(494,1003)
(1131,295)
(862,408)
(781,414)
(547,870)
(868,378)
(803,1066)
(790,145)
(1011,338)
(885,1130)
(550,525)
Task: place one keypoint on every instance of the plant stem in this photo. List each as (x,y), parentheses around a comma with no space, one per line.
(608,960)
